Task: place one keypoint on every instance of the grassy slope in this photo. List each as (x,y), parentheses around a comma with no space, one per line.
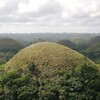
(49,58)
(98,65)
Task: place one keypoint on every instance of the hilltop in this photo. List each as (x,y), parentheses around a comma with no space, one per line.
(48,58)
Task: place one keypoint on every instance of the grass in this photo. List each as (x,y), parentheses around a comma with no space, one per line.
(98,65)
(49,59)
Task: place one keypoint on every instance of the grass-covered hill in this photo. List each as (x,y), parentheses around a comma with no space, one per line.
(48,58)
(9,44)
(93,52)
(67,43)
(94,40)
(49,71)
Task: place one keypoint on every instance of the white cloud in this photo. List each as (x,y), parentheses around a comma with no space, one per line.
(49,15)
(30,5)
(1,3)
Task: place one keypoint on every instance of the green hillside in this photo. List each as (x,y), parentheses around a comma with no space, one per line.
(49,71)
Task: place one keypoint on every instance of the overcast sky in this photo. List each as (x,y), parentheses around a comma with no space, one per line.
(49,16)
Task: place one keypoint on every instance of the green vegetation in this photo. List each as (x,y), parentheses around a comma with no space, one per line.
(49,71)
(81,83)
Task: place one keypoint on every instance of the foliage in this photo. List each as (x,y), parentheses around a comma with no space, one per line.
(81,83)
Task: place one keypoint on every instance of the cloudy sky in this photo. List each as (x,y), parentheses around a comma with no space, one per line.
(50,16)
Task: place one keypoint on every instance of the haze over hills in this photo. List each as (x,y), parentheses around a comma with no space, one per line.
(32,37)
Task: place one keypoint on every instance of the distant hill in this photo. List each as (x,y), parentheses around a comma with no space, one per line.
(94,40)
(8,44)
(94,48)
(93,52)
(40,40)
(79,41)
(67,43)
